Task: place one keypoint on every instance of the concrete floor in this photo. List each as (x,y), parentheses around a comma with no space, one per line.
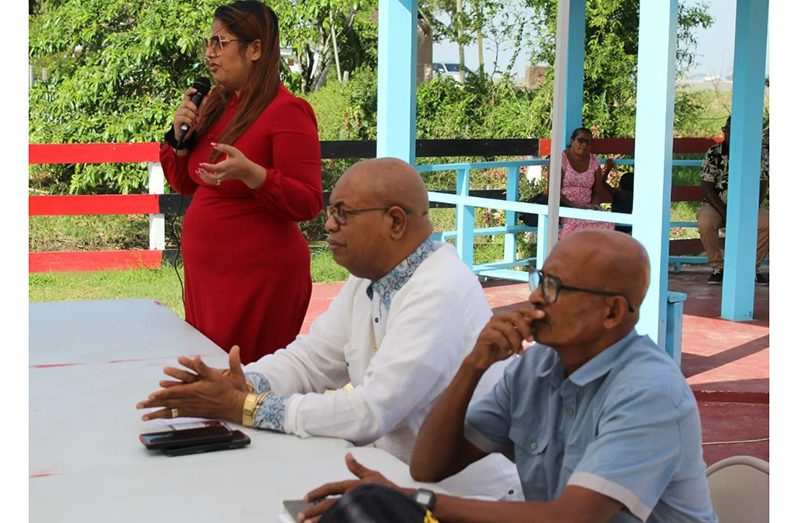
(726,363)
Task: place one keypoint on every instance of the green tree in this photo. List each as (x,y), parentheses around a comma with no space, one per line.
(611,37)
(318,30)
(111,71)
(114,70)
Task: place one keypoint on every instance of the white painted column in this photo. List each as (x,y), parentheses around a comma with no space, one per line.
(157,222)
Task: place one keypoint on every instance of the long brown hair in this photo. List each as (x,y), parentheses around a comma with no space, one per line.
(248,20)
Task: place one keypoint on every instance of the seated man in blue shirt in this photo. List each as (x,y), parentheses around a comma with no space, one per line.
(600,422)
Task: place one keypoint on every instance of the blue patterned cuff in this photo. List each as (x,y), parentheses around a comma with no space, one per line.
(258,381)
(271,413)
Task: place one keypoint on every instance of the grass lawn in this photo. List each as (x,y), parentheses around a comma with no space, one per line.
(161,284)
(164,285)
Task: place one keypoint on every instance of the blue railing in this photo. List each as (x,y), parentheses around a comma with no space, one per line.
(465,231)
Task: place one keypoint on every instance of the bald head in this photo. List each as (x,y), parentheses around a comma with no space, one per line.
(390,181)
(610,260)
(370,244)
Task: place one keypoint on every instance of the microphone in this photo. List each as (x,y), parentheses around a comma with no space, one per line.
(202,85)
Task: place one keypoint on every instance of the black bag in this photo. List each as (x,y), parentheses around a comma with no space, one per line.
(375,504)
(531,220)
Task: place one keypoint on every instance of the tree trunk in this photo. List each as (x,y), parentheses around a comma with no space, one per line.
(460,47)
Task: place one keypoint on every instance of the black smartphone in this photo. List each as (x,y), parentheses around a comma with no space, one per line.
(186,437)
(238,440)
(295,506)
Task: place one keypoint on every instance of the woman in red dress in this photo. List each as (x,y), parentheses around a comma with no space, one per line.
(252,161)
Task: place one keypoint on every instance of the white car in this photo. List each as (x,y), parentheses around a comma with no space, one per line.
(451,69)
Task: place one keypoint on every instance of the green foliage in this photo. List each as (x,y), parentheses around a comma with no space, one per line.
(478,109)
(113,71)
(360,116)
(309,27)
(110,71)
(87,233)
(323,267)
(611,37)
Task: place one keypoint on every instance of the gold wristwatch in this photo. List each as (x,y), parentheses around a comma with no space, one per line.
(251,403)
(250,406)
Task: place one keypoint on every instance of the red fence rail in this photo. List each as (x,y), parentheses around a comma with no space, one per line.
(94,153)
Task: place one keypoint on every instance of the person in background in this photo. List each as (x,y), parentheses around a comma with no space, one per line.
(582,181)
(599,420)
(623,198)
(252,161)
(396,332)
(711,215)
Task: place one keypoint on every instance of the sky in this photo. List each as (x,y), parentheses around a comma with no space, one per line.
(715,53)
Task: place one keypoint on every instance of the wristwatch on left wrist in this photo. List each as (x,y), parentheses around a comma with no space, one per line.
(425,498)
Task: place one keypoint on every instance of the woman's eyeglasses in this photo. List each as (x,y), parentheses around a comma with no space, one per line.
(215,44)
(584,141)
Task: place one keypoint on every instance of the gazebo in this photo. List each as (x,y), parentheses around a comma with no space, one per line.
(396,130)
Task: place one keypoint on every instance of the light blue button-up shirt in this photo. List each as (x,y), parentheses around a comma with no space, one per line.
(625,424)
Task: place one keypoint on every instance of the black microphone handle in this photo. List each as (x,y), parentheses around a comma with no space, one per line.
(196,99)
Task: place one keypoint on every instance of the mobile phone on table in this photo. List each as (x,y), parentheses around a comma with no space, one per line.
(237,440)
(186,437)
(295,506)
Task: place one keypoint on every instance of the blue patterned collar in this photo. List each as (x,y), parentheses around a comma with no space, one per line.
(387,286)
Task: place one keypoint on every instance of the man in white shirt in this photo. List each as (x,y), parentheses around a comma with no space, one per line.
(397,331)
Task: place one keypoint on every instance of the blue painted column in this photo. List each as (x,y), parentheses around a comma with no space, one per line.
(510,244)
(575,69)
(742,206)
(396,79)
(464,219)
(656,66)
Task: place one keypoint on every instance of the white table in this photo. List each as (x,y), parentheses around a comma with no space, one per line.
(90,363)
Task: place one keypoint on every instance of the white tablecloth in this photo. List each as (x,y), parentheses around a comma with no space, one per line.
(90,363)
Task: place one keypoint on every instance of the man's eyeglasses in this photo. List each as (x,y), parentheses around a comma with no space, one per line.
(550,288)
(215,44)
(341,214)
(584,141)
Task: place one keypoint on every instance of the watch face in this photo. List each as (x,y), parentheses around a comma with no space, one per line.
(424,497)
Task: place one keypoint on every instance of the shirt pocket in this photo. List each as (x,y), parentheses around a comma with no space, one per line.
(531,444)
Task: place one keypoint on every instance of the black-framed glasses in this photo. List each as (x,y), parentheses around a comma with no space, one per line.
(215,44)
(550,288)
(341,214)
(584,141)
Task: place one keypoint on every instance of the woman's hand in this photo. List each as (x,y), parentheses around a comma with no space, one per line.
(235,166)
(187,114)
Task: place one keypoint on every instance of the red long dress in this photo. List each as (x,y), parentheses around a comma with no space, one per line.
(247,265)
